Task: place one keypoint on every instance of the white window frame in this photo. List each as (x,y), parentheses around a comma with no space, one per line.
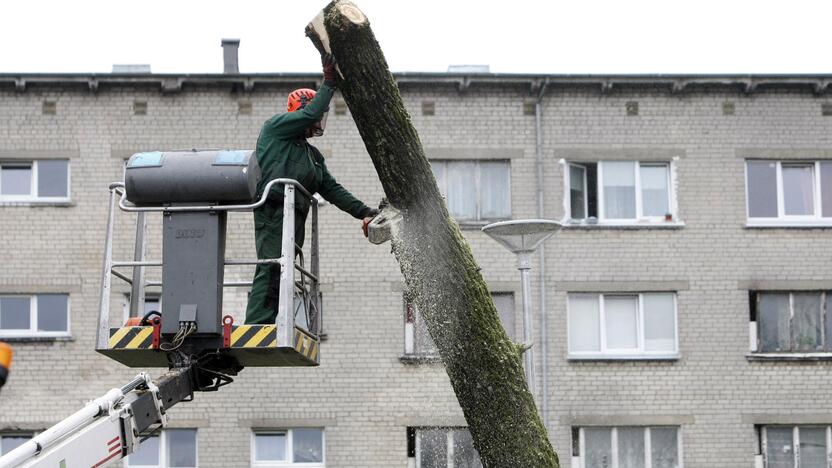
(782,219)
(164,448)
(33,331)
(640,219)
(624,354)
(580,460)
(33,183)
(449,443)
(477,186)
(796,441)
(290,449)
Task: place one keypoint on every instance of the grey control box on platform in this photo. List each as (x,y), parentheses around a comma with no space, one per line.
(193,239)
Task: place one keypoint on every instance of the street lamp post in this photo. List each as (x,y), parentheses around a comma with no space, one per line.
(523,237)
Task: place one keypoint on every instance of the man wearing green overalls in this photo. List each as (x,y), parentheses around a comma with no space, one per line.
(283,152)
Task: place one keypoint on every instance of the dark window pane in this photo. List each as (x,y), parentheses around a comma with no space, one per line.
(181,447)
(813,447)
(592,189)
(147,454)
(270,447)
(806,331)
(433,448)
(664,447)
(52,312)
(495,199)
(14,313)
(505,307)
(11,442)
(826,188)
(774,321)
(465,456)
(779,447)
(828,313)
(762,189)
(52,178)
(309,445)
(598,441)
(799,189)
(577,191)
(631,447)
(15,180)
(619,190)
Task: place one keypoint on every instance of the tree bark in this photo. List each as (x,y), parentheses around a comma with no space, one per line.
(441,276)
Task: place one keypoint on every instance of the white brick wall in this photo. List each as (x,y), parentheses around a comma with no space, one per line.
(362,393)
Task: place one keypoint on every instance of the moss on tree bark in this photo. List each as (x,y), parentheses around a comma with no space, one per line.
(439,270)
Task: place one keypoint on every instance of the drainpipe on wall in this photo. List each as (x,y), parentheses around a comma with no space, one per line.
(538,110)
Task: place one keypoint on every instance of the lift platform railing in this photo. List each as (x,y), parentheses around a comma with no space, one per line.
(298,293)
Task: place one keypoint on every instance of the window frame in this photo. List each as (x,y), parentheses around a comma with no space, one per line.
(648,455)
(164,449)
(782,219)
(795,440)
(449,434)
(289,449)
(638,353)
(755,326)
(640,218)
(33,194)
(32,331)
(477,187)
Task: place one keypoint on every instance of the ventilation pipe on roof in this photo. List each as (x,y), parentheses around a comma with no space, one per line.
(229,56)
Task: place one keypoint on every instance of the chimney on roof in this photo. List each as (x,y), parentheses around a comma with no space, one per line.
(229,56)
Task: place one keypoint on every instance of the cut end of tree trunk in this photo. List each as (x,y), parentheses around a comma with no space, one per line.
(351,12)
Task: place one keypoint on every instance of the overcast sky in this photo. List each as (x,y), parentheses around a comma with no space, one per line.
(515,36)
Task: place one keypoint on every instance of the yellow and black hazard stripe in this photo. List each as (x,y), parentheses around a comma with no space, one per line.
(131,338)
(254,336)
(306,345)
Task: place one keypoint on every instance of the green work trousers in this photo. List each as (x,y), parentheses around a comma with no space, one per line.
(268,239)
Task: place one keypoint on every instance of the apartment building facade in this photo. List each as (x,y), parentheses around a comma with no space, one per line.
(680,316)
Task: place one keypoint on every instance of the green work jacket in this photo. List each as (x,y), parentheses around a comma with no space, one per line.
(283,152)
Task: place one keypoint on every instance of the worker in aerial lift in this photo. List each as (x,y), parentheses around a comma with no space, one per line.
(284,152)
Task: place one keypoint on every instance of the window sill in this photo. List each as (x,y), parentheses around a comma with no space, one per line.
(635,225)
(37,203)
(820,356)
(35,338)
(788,224)
(625,357)
(420,359)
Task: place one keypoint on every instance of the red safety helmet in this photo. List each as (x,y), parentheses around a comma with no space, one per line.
(299,98)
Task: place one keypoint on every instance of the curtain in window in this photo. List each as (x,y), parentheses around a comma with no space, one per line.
(806,324)
(621,314)
(52,178)
(659,322)
(598,443)
(664,447)
(52,312)
(181,447)
(15,180)
(270,447)
(461,186)
(812,447)
(15,313)
(773,316)
(584,323)
(147,454)
(654,190)
(504,302)
(762,189)
(631,447)
(433,448)
(494,190)
(798,189)
(308,445)
(619,190)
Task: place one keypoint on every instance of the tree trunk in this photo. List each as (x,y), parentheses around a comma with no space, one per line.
(441,276)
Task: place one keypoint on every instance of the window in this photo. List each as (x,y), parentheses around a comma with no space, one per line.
(34,315)
(12,440)
(171,448)
(151,302)
(443,447)
(622,325)
(619,192)
(792,321)
(288,447)
(474,190)
(628,447)
(43,180)
(786,192)
(796,446)
(417,340)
